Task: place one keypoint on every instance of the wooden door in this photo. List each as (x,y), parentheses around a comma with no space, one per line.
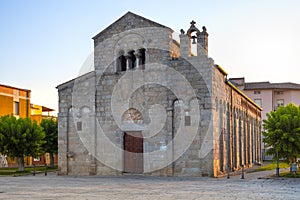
(133,152)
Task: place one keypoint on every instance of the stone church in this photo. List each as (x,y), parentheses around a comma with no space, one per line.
(155,104)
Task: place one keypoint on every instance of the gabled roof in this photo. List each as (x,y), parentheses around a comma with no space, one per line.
(71,82)
(45,109)
(243,94)
(129,15)
(12,87)
(268,85)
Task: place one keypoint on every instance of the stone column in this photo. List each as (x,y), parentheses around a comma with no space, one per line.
(128,60)
(138,56)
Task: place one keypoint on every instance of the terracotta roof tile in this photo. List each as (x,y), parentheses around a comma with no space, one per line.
(268,85)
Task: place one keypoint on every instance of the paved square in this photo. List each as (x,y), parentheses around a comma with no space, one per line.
(144,187)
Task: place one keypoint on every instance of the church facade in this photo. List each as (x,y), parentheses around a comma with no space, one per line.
(155,106)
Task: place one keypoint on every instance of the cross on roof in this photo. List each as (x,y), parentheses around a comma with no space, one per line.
(193,23)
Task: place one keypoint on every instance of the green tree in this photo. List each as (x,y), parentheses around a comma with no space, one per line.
(50,146)
(19,138)
(282,132)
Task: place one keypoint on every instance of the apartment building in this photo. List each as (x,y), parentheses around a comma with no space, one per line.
(269,95)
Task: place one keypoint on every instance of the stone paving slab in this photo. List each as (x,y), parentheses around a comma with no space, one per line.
(144,187)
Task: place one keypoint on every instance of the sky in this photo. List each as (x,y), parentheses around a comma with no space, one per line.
(45,43)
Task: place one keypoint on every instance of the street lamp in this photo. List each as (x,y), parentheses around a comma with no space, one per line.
(277,167)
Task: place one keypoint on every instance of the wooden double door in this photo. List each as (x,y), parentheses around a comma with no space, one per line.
(133,152)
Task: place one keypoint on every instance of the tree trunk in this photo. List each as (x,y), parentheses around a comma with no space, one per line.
(21,163)
(293,159)
(51,159)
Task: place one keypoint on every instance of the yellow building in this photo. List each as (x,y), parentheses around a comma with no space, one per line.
(16,101)
(38,113)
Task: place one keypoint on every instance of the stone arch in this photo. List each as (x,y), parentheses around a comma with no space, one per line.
(132,41)
(193,99)
(132,115)
(142,61)
(121,61)
(192,29)
(133,59)
(136,46)
(197,38)
(132,120)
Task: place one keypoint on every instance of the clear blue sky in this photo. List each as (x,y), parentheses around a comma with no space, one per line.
(44,43)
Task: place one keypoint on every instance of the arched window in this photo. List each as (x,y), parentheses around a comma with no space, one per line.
(133,60)
(121,62)
(143,56)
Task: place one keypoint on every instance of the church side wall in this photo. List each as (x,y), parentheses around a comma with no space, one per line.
(75,154)
(65,103)
(237,128)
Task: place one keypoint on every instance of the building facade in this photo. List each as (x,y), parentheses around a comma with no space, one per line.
(269,96)
(38,113)
(16,101)
(154,106)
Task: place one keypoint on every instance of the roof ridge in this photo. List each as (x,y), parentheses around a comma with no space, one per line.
(13,87)
(287,83)
(131,13)
(258,82)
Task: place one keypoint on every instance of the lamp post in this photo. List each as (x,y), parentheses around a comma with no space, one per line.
(277,165)
(228,169)
(243,171)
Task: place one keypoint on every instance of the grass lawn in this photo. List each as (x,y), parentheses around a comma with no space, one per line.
(272,166)
(7,171)
(289,175)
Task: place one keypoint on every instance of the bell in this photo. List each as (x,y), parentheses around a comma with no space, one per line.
(194,39)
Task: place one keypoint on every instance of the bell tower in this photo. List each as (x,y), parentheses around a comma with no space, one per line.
(201,39)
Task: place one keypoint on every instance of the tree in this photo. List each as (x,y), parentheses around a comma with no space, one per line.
(19,138)
(50,146)
(282,132)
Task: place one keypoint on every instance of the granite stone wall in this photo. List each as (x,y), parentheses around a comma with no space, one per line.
(193,122)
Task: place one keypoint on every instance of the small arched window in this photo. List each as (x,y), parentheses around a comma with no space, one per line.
(143,56)
(121,62)
(133,60)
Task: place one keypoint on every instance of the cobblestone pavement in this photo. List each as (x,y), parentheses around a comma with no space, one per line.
(142,187)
